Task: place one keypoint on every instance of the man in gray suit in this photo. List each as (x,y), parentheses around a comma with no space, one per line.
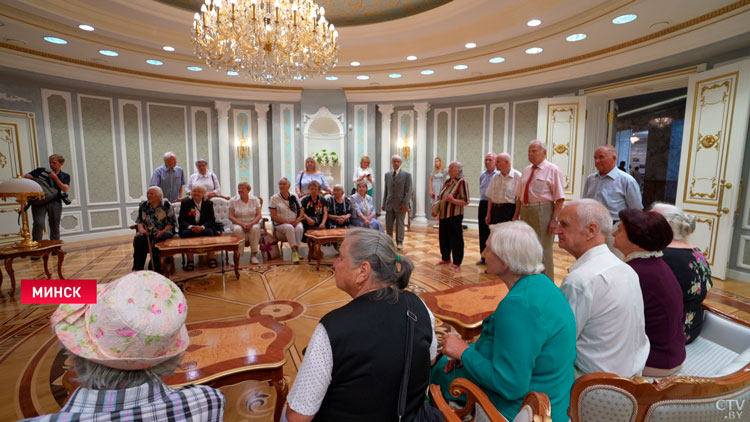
(396,199)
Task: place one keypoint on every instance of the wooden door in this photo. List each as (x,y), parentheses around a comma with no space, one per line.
(560,124)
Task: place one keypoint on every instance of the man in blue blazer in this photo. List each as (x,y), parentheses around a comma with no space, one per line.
(396,199)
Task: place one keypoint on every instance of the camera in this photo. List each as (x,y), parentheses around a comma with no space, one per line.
(65,198)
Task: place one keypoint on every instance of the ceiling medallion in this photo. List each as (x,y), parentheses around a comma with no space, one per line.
(271,42)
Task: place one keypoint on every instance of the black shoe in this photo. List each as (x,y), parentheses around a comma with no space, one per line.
(464,226)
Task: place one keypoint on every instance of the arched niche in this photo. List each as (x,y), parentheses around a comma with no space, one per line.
(325,130)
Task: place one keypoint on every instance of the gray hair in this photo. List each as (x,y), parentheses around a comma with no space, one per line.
(199,188)
(201,160)
(396,156)
(99,377)
(540,143)
(362,182)
(504,156)
(378,249)
(313,183)
(683,224)
(611,151)
(169,154)
(517,244)
(284,179)
(591,211)
(460,169)
(338,186)
(158,190)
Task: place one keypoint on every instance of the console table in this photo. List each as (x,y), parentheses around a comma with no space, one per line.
(204,244)
(44,249)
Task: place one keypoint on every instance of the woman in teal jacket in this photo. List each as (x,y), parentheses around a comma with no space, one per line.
(528,343)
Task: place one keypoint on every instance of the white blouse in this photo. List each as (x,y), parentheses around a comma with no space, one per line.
(358,172)
(208,181)
(282,207)
(245,212)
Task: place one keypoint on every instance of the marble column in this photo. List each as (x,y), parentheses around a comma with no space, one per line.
(222,111)
(420,173)
(385,142)
(263,159)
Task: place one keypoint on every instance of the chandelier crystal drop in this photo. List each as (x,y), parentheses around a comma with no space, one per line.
(270,41)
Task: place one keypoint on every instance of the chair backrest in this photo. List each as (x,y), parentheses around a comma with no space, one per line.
(176,207)
(221,212)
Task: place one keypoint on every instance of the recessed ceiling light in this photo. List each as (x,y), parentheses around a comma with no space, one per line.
(497,59)
(363,77)
(460,67)
(55,40)
(195,68)
(109,53)
(394,75)
(470,45)
(154,62)
(86,27)
(534,22)
(575,37)
(168,48)
(411,58)
(354,63)
(534,50)
(624,19)
(332,78)
(427,72)
(232,73)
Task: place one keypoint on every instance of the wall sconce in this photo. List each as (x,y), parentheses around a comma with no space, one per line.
(243,149)
(634,139)
(405,146)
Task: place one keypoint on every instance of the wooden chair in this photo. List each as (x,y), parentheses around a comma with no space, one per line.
(536,406)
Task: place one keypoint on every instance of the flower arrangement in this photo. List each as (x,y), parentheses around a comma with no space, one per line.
(325,158)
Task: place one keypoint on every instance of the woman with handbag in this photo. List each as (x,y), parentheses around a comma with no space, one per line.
(339,209)
(363,214)
(437,178)
(287,218)
(356,362)
(205,178)
(310,174)
(449,209)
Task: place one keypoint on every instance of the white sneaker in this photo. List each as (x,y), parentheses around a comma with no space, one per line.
(295,257)
(254,259)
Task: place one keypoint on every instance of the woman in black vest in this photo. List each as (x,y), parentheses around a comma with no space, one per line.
(354,363)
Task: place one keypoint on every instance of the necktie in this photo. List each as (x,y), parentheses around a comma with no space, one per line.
(528,183)
(394,175)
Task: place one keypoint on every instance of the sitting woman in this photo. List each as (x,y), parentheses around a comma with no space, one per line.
(197,219)
(156,222)
(314,209)
(354,362)
(245,213)
(529,343)
(205,178)
(339,209)
(689,267)
(287,218)
(363,210)
(121,347)
(641,236)
(310,174)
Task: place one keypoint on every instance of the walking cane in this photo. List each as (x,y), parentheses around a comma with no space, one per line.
(150,250)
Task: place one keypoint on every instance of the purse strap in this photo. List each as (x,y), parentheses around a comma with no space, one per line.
(411,319)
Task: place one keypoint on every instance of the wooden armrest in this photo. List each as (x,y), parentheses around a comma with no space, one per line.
(474,395)
(540,406)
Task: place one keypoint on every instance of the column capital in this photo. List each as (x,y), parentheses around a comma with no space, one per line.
(222,107)
(261,109)
(422,109)
(386,110)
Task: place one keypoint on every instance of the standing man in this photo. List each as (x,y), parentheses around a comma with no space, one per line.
(502,191)
(484,182)
(169,177)
(396,199)
(604,293)
(610,186)
(57,179)
(541,194)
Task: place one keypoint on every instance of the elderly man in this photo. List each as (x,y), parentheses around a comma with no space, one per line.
(169,177)
(610,186)
(396,199)
(540,196)
(605,295)
(502,191)
(484,182)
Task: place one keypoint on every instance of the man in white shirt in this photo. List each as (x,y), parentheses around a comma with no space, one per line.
(605,295)
(502,191)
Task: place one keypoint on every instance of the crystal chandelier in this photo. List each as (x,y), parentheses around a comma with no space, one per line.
(271,42)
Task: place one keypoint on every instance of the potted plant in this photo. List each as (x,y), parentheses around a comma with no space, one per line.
(325,158)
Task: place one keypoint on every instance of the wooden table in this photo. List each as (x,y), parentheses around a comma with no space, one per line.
(465,307)
(203,244)
(45,248)
(228,352)
(316,238)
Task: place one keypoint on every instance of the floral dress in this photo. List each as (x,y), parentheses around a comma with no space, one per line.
(155,219)
(694,275)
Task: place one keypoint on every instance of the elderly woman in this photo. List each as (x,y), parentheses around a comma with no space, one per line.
(121,347)
(689,267)
(453,197)
(364,211)
(197,219)
(314,209)
(155,223)
(245,213)
(641,236)
(204,177)
(363,173)
(310,174)
(528,343)
(355,360)
(339,209)
(287,218)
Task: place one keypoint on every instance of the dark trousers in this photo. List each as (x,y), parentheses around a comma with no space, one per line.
(53,209)
(484,229)
(451,236)
(140,250)
(500,213)
(208,231)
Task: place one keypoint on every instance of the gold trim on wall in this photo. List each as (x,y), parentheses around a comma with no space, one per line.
(32,132)
(562,149)
(650,78)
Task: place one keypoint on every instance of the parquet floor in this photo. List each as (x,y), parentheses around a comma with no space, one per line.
(31,365)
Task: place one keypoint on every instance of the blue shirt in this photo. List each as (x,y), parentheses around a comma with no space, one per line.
(484,182)
(170,181)
(615,190)
(304,179)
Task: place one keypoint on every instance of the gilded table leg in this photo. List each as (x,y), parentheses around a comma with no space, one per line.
(236,262)
(281,392)
(45,259)
(11,274)
(60,258)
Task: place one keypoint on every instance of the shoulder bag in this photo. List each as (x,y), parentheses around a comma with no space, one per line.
(50,193)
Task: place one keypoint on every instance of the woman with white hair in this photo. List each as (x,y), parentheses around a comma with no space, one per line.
(155,223)
(245,213)
(339,209)
(449,209)
(205,178)
(121,347)
(528,343)
(287,216)
(364,214)
(689,267)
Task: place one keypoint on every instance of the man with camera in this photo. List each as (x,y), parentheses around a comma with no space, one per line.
(57,181)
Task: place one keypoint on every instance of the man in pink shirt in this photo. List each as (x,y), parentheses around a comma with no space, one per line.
(540,196)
